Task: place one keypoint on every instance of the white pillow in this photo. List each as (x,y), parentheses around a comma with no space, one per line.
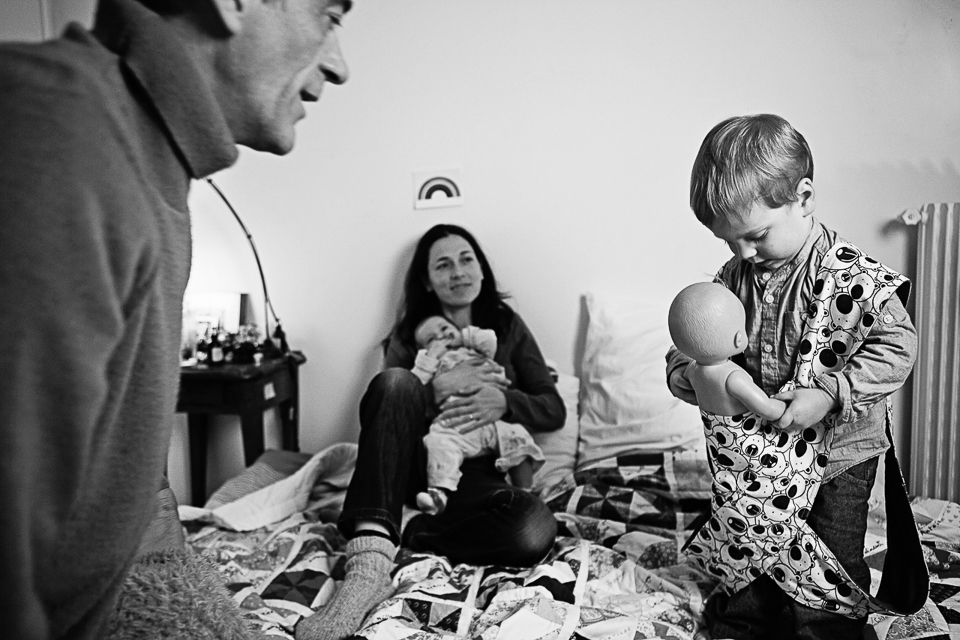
(559,447)
(625,405)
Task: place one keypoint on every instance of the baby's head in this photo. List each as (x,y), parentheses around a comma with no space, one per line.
(434,328)
(707,323)
(746,160)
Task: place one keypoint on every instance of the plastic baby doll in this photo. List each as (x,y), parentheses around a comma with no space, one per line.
(706,323)
(443,346)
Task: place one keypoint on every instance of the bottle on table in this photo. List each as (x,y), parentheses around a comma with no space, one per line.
(216,349)
(203,348)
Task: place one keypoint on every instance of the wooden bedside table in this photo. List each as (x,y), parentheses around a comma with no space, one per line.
(244,390)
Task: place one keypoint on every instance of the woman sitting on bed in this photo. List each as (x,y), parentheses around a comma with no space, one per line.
(486,520)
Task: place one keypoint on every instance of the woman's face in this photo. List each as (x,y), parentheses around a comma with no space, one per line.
(454,273)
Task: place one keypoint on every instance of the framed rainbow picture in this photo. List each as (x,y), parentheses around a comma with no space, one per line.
(434,189)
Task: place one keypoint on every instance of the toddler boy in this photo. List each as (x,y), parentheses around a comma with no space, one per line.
(829,323)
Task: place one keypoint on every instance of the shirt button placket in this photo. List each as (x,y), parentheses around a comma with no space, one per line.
(768,369)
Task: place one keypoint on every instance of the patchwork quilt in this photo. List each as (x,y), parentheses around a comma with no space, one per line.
(615,573)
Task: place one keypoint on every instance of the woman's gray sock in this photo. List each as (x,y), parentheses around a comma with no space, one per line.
(367,584)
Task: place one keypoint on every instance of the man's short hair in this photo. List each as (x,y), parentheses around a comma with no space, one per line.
(745,160)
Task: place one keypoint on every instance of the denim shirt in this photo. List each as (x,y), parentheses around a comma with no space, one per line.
(775,304)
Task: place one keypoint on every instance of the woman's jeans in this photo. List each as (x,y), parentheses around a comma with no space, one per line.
(763,610)
(486,521)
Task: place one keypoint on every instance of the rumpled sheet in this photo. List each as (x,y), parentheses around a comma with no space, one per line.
(615,573)
(273,489)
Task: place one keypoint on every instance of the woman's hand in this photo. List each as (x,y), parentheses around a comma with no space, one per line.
(468,377)
(473,410)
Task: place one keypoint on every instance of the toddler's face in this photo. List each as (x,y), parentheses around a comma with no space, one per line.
(769,238)
(436,328)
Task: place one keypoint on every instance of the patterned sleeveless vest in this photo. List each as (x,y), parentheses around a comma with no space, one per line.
(765,481)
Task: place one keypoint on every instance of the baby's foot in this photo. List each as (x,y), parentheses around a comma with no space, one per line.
(432,501)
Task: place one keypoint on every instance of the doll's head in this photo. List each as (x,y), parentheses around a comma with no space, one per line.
(707,323)
(434,328)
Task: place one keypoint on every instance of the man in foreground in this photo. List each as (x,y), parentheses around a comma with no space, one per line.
(102,133)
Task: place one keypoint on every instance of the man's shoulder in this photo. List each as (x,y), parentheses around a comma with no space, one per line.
(67,99)
(74,68)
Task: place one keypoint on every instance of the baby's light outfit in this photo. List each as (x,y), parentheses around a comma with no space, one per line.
(446,447)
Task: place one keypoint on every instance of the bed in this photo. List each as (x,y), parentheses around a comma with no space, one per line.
(627,479)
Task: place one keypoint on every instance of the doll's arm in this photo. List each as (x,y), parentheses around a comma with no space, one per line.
(806,406)
(677,380)
(741,386)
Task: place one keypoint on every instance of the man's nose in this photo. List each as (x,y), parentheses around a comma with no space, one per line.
(332,64)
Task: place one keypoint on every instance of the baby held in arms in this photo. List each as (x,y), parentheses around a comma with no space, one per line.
(443,346)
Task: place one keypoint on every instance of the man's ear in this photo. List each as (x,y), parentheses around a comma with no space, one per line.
(230,13)
(806,196)
(740,340)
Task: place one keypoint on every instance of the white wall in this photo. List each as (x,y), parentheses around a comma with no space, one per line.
(21,21)
(33,20)
(575,125)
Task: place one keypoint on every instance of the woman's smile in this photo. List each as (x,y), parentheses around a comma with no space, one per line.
(454,273)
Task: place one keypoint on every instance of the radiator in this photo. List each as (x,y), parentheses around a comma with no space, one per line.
(935,429)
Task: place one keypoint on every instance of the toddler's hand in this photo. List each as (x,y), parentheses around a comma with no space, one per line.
(805,407)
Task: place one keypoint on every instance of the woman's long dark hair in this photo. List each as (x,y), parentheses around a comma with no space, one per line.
(489,310)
